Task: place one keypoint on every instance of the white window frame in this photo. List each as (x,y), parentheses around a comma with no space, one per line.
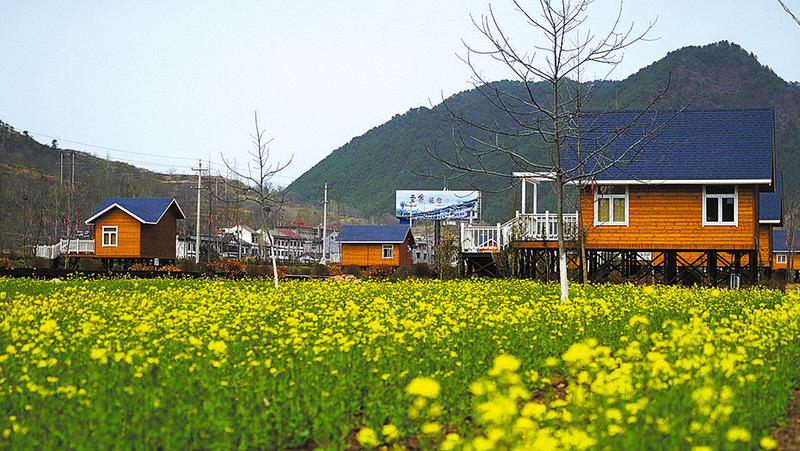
(110,231)
(735,195)
(610,198)
(390,248)
(781,258)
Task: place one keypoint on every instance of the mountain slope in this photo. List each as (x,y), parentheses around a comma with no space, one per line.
(36,209)
(367,170)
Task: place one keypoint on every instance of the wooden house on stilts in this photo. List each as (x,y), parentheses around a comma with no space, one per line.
(681,203)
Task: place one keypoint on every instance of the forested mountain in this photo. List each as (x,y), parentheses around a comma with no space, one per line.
(369,168)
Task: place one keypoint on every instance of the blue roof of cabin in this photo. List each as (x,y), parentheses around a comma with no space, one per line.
(148,209)
(374,233)
(771,204)
(779,243)
(667,145)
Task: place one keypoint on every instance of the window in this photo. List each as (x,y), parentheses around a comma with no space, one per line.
(388,251)
(109,236)
(720,205)
(780,258)
(611,205)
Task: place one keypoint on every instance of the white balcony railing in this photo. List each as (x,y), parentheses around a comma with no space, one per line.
(524,227)
(66,247)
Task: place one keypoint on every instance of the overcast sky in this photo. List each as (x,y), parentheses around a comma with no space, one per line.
(182,78)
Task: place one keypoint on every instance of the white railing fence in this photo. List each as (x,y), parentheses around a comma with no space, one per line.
(524,227)
(65,247)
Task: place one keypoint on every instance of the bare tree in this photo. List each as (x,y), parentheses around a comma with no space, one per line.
(548,108)
(789,12)
(256,185)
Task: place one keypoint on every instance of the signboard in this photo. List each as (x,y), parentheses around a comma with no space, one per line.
(437,205)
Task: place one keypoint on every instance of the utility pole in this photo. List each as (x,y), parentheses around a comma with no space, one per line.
(199,170)
(72,181)
(324,260)
(61,167)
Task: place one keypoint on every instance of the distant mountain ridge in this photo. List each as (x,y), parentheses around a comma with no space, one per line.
(367,170)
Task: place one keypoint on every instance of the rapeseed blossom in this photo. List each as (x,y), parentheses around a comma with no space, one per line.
(374,364)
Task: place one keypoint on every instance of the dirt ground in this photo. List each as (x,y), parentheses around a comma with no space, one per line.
(788,436)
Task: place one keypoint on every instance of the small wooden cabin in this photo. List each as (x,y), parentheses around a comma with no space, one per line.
(376,245)
(136,229)
(781,258)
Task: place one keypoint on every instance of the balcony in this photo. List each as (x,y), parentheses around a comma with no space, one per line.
(524,227)
(65,247)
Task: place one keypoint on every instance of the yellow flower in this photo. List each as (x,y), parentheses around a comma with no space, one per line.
(49,326)
(99,354)
(768,443)
(367,437)
(504,363)
(738,434)
(431,428)
(390,432)
(423,386)
(218,347)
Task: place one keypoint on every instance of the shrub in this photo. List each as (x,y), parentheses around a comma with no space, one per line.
(353,270)
(170,268)
(5,263)
(422,270)
(380,271)
(335,269)
(140,267)
(230,268)
(319,270)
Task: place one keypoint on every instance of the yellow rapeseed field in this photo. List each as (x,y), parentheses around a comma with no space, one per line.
(440,365)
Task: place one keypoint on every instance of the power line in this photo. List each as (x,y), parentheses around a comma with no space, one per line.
(167,165)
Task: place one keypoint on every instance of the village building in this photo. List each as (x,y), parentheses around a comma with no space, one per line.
(679,205)
(127,231)
(376,245)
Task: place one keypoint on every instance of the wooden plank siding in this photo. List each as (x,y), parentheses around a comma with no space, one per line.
(158,240)
(128,235)
(671,217)
(765,245)
(795,262)
(372,255)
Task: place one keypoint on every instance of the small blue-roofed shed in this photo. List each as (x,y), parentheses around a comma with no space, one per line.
(376,245)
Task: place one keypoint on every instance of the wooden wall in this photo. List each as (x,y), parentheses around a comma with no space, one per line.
(372,255)
(671,217)
(158,240)
(128,235)
(795,261)
(765,245)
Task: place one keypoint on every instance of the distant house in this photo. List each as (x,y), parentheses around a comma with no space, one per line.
(136,229)
(376,245)
(770,216)
(781,257)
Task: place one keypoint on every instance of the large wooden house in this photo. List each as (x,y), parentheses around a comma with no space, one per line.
(376,245)
(680,203)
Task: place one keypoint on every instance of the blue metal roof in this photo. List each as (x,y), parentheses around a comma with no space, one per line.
(374,233)
(145,209)
(675,146)
(771,204)
(779,243)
